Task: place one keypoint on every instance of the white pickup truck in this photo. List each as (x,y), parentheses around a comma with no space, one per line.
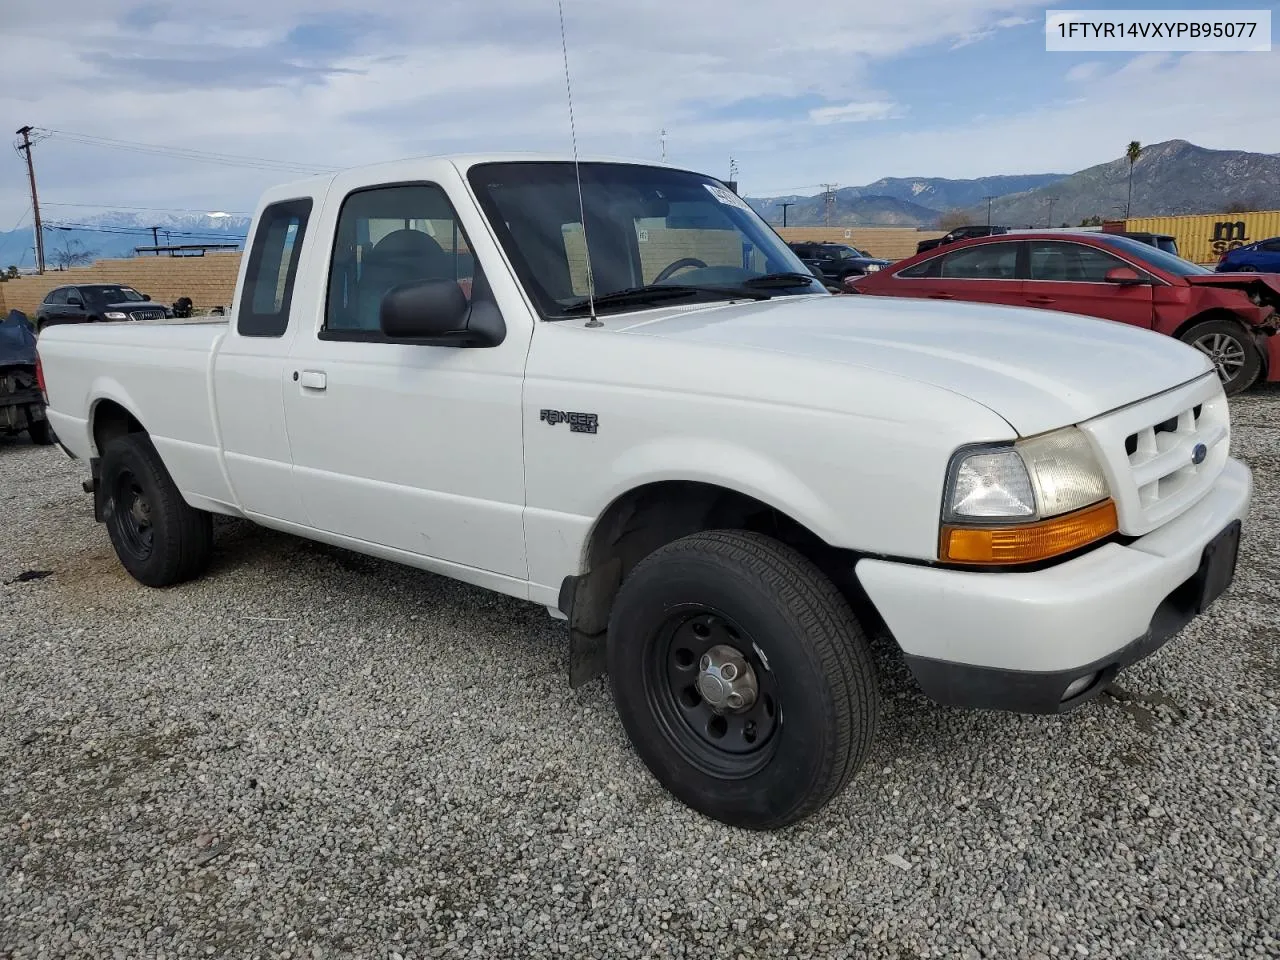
(723,477)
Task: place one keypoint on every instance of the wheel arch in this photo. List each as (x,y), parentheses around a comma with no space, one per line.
(109,419)
(651,515)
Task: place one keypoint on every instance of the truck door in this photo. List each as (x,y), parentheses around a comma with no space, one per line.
(249,367)
(409,446)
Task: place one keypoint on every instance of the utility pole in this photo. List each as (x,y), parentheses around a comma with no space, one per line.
(790,203)
(662,137)
(155,239)
(828,201)
(25,147)
(988,199)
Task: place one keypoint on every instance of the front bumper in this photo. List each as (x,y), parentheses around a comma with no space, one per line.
(1018,641)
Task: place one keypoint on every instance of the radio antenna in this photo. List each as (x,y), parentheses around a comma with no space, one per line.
(577,174)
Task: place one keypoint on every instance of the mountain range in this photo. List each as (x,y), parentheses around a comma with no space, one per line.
(74,238)
(1169,178)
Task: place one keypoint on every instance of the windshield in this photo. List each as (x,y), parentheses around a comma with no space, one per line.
(645,226)
(1160,259)
(115,294)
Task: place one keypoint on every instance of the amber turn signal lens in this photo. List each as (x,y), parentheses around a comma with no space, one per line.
(1029,542)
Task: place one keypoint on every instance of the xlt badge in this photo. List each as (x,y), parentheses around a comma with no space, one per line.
(578,422)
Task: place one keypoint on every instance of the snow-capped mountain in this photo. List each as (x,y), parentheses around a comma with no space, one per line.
(73,235)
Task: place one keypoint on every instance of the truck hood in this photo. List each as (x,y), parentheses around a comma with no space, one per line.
(1037,369)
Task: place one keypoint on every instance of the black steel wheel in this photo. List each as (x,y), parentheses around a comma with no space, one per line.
(742,678)
(160,538)
(130,516)
(713,691)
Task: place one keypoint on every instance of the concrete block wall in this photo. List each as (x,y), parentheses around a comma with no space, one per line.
(209,280)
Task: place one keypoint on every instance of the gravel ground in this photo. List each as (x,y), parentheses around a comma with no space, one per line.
(313,754)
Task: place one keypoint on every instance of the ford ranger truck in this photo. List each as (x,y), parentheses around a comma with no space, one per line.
(611,389)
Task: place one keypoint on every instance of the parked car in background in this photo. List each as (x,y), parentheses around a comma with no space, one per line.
(836,262)
(1161,241)
(958,234)
(1230,319)
(21,403)
(96,303)
(1260,257)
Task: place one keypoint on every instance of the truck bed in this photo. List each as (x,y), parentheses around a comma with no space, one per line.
(160,371)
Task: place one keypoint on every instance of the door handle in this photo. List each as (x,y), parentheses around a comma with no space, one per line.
(1041,300)
(313,380)
(942,296)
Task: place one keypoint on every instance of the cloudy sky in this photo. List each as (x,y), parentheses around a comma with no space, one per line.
(797,94)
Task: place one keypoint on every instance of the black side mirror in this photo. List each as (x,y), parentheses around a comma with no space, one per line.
(146,296)
(437,313)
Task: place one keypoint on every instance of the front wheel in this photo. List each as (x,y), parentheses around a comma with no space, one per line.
(160,538)
(742,678)
(1231,348)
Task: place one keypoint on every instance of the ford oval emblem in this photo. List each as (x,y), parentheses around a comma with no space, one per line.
(1198,453)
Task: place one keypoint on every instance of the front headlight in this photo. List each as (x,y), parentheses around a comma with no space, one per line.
(872,267)
(1025,502)
(115,315)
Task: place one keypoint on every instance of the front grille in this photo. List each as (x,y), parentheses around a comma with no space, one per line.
(146,315)
(1149,452)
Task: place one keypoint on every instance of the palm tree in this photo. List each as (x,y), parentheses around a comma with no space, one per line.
(1132,152)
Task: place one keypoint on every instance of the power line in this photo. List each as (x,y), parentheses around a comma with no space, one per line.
(141,231)
(187,153)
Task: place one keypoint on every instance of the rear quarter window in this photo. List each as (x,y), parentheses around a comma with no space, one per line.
(272,269)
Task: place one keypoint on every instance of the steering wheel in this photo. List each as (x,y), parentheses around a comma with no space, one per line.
(669,270)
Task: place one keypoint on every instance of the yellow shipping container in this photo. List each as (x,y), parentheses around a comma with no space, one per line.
(1206,237)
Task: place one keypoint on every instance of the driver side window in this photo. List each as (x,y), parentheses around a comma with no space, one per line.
(387,237)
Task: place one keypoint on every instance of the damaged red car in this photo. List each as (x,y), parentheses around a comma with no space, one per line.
(1231,317)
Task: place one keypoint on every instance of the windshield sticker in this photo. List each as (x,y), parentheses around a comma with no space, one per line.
(727,197)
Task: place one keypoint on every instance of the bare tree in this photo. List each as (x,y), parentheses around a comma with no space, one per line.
(954,218)
(73,254)
(1132,153)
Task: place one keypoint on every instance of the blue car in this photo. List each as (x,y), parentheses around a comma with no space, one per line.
(1260,257)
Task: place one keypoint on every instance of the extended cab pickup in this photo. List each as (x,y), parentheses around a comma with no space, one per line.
(724,478)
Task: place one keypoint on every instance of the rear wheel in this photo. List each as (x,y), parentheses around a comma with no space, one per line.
(742,678)
(1231,348)
(160,539)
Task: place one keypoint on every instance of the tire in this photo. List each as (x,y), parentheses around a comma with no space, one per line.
(817,702)
(1232,350)
(160,539)
(40,432)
